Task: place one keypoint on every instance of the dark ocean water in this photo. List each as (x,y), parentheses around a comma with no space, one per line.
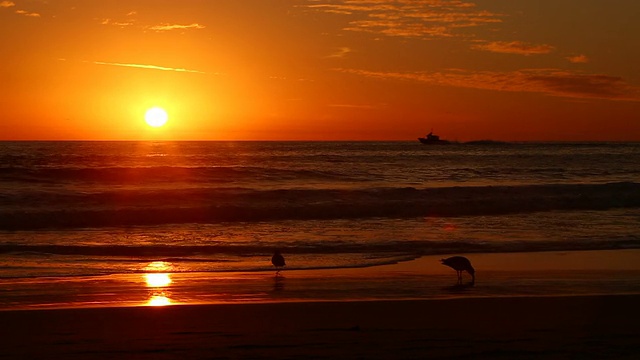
(100,208)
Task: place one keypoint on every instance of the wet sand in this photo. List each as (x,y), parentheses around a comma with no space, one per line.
(498,275)
(522,306)
(592,327)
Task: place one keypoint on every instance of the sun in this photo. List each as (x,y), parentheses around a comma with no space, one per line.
(156,117)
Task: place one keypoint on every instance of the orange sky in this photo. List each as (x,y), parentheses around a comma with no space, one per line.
(320,70)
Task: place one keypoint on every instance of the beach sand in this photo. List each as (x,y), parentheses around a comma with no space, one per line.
(592,327)
(535,305)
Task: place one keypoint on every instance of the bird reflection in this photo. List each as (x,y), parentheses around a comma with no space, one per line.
(278,283)
(457,288)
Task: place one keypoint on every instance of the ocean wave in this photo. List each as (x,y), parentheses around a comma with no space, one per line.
(155,174)
(379,250)
(130,208)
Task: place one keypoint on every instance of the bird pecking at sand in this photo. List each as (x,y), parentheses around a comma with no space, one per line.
(460,264)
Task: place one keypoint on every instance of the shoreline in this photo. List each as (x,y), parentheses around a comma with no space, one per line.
(524,305)
(505,275)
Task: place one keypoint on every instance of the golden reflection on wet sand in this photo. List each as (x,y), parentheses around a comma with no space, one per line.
(158,300)
(158,282)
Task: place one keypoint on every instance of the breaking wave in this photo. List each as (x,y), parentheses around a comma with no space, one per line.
(123,207)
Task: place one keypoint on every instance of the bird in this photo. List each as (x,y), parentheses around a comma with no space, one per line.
(460,264)
(278,261)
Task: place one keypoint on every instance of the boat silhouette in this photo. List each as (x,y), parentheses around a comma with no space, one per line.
(432,139)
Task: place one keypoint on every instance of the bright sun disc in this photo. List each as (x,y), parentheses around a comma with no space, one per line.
(156,117)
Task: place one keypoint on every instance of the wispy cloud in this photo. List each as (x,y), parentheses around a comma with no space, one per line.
(129,19)
(578,59)
(169,27)
(117,23)
(27,13)
(514,47)
(150,67)
(552,82)
(409,18)
(7,4)
(340,53)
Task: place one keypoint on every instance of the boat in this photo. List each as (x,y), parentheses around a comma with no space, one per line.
(431,139)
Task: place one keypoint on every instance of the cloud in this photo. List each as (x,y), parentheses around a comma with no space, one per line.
(168,27)
(151,67)
(409,18)
(578,59)
(340,53)
(514,47)
(116,23)
(553,82)
(131,20)
(27,13)
(6,4)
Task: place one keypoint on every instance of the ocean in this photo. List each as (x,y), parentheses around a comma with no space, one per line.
(77,214)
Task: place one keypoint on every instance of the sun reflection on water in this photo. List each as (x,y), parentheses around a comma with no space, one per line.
(158,280)
(159,266)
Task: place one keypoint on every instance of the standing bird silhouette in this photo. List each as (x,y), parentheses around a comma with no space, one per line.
(278,261)
(460,264)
